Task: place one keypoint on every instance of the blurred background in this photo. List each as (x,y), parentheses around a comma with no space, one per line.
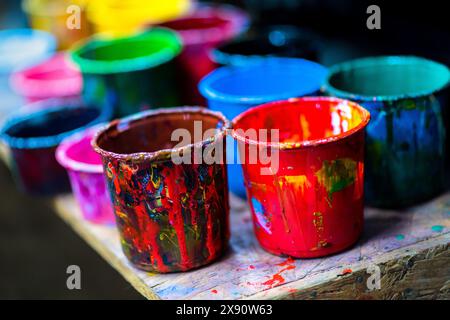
(36,246)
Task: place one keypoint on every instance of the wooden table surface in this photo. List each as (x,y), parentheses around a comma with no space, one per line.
(409,249)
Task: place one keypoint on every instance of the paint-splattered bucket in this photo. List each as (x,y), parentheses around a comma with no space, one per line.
(406,137)
(20,48)
(275,41)
(64,18)
(305,183)
(132,73)
(232,90)
(53,78)
(201,31)
(171,217)
(32,138)
(85,170)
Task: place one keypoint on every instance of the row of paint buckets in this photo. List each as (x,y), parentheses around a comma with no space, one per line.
(175,217)
(200,31)
(321,153)
(121,18)
(205,35)
(74,20)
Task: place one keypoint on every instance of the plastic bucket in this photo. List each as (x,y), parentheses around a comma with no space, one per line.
(32,138)
(308,200)
(53,78)
(121,18)
(275,41)
(171,216)
(54,16)
(85,170)
(20,48)
(130,74)
(406,134)
(233,90)
(201,31)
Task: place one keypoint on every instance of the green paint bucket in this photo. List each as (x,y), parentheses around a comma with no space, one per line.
(130,74)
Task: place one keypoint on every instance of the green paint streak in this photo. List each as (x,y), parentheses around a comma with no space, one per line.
(437,228)
(335,175)
(400,237)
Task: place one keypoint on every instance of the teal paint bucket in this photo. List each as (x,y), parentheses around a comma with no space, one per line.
(405,147)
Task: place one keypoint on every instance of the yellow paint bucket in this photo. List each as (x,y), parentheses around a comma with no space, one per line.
(120,18)
(63,18)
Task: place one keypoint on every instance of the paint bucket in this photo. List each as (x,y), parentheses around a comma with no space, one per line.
(85,170)
(121,18)
(32,138)
(406,137)
(232,90)
(171,216)
(53,78)
(64,18)
(201,31)
(132,73)
(275,41)
(20,48)
(308,200)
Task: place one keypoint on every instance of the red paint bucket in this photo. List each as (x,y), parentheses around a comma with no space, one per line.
(307,201)
(201,31)
(171,217)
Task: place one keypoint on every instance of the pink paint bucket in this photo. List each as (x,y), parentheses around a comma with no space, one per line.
(84,167)
(54,78)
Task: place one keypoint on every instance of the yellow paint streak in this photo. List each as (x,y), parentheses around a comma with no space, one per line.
(299,182)
(305,127)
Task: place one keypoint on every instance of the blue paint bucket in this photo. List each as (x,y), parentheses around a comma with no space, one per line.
(20,48)
(234,89)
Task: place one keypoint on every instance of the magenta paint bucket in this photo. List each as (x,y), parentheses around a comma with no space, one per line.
(56,77)
(85,170)
(32,138)
(201,31)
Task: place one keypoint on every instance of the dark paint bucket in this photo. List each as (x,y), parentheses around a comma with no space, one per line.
(275,41)
(132,73)
(171,217)
(33,137)
(405,149)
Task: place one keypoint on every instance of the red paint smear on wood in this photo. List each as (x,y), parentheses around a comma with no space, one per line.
(277,279)
(346,271)
(287,262)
